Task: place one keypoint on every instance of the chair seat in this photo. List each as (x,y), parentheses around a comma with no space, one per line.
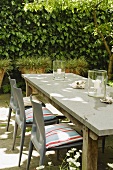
(27,101)
(60,134)
(51,137)
(47,114)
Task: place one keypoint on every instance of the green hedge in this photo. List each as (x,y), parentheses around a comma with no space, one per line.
(60,29)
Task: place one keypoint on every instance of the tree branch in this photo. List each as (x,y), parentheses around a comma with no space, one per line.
(101,35)
(110,65)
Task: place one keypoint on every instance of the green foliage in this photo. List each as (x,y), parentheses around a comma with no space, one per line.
(6,64)
(56,28)
(34,63)
(110,83)
(6,88)
(79,66)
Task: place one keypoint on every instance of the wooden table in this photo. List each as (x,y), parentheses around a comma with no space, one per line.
(93,118)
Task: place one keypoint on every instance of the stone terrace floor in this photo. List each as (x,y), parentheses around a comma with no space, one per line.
(9,158)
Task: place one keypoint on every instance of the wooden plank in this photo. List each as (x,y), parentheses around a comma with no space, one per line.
(93,135)
(90,151)
(28,89)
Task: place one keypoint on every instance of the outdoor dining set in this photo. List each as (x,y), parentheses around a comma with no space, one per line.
(86,102)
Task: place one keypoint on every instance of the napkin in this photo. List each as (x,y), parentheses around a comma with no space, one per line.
(108,100)
(80,84)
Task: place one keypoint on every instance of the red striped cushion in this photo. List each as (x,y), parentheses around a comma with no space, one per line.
(29,115)
(47,114)
(60,134)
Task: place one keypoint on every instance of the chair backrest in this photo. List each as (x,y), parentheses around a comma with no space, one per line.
(13,101)
(20,104)
(38,130)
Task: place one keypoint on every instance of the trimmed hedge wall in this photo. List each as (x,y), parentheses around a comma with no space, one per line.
(60,33)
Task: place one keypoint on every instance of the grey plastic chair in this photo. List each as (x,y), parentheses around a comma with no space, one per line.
(27,103)
(43,142)
(12,104)
(24,118)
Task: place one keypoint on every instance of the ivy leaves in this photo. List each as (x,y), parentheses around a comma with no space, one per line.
(59,29)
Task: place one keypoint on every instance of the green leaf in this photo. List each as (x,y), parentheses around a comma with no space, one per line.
(21,53)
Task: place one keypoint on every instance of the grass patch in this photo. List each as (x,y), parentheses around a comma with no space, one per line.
(2,125)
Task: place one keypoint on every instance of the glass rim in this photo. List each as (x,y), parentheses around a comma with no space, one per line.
(96,70)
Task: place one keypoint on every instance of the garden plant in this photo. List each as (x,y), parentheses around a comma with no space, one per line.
(59,29)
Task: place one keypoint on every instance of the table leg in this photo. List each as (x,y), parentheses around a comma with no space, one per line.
(90,151)
(28,89)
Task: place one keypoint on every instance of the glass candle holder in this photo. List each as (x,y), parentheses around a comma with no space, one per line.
(97,80)
(58,70)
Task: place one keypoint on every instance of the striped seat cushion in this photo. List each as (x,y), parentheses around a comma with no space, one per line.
(29,115)
(46,113)
(60,134)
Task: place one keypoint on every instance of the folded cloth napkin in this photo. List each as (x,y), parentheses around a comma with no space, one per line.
(108,100)
(80,84)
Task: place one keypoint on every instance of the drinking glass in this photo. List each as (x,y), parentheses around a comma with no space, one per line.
(97,80)
(58,70)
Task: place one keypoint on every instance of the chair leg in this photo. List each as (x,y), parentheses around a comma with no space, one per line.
(42,156)
(103,144)
(21,144)
(29,155)
(14,134)
(57,153)
(9,116)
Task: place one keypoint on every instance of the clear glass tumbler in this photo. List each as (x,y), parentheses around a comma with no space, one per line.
(97,80)
(58,70)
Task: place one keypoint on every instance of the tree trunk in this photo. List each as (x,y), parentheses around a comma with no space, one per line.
(110,67)
(110,64)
